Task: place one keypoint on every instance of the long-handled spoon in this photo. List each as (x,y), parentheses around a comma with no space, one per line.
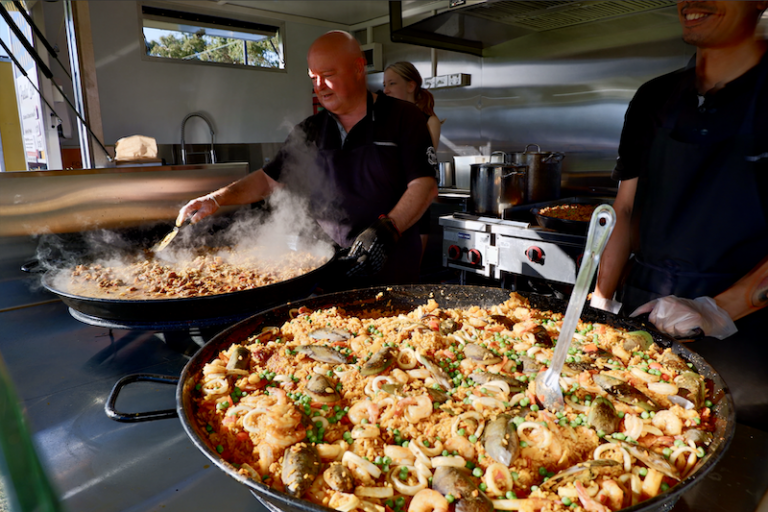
(548,383)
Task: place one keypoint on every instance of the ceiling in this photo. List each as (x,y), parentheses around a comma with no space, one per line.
(345,12)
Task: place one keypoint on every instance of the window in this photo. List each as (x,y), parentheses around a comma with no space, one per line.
(197,37)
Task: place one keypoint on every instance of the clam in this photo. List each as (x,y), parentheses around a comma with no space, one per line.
(624,392)
(239,358)
(321,390)
(322,354)
(651,459)
(582,472)
(500,439)
(603,416)
(339,478)
(457,482)
(379,362)
(440,375)
(330,334)
(480,355)
(301,465)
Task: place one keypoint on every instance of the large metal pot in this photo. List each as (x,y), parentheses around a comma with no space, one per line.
(494,187)
(398,299)
(544,172)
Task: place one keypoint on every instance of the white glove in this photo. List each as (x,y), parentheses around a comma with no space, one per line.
(202,206)
(608,305)
(682,318)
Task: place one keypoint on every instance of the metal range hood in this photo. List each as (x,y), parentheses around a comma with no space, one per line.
(472,26)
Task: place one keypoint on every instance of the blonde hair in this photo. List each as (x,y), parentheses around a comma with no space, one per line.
(424,99)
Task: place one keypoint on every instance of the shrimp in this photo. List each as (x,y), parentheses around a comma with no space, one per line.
(428,500)
(587,502)
(364,409)
(399,455)
(613,494)
(504,365)
(414,408)
(668,422)
(462,445)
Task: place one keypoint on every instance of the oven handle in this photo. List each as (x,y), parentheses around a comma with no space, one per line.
(134,417)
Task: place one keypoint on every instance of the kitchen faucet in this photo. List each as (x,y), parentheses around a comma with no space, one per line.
(183,148)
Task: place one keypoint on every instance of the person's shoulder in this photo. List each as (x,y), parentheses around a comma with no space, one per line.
(665,83)
(396,107)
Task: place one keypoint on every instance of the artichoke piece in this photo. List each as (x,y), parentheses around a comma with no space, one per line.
(500,439)
(480,355)
(379,362)
(602,415)
(637,341)
(625,392)
(322,390)
(322,354)
(301,465)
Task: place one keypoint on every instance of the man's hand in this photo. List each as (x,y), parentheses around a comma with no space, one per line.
(683,318)
(372,247)
(202,206)
(608,305)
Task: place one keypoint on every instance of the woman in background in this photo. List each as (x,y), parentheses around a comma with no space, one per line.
(403,81)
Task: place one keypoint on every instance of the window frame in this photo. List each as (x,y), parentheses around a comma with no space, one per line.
(186,8)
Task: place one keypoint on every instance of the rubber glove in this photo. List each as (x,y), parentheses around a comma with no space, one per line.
(372,247)
(683,318)
(608,305)
(202,206)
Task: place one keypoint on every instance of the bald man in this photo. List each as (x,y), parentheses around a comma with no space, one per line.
(365,162)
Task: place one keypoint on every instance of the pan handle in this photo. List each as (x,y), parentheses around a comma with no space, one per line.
(33,267)
(135,417)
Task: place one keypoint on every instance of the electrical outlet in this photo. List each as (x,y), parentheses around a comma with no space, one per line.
(454,79)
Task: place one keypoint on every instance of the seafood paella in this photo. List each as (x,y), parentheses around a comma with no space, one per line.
(436,409)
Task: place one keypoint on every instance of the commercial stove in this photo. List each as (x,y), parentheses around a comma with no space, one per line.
(492,247)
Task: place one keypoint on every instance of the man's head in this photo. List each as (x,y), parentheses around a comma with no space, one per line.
(337,69)
(719,24)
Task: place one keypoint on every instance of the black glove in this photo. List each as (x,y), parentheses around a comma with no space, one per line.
(372,247)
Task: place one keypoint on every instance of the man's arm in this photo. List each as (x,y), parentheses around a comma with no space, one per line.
(748,294)
(249,189)
(617,251)
(414,202)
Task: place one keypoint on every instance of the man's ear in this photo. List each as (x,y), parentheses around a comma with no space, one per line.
(360,64)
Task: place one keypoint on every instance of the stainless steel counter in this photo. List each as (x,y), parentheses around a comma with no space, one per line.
(63,371)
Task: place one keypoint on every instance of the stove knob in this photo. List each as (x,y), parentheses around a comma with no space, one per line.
(475,257)
(535,254)
(454,252)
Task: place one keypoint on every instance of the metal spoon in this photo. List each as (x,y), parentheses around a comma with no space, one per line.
(548,383)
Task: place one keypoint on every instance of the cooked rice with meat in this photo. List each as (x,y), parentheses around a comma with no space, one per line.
(437,406)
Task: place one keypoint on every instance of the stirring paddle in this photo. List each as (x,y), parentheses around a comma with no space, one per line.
(162,244)
(548,383)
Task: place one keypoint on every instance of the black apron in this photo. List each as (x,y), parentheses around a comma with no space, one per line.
(702,229)
(702,223)
(359,185)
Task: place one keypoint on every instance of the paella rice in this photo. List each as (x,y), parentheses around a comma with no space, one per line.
(437,408)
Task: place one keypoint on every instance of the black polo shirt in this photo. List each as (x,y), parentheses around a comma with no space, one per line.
(702,119)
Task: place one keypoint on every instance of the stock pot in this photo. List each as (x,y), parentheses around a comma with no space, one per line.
(494,187)
(544,171)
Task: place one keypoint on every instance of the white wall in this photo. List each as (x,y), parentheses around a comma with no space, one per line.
(152,98)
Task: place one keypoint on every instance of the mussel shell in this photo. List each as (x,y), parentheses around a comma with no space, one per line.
(339,478)
(500,439)
(674,362)
(515,386)
(448,326)
(530,365)
(379,362)
(322,354)
(651,459)
(502,320)
(698,436)
(438,395)
(301,465)
(583,471)
(691,387)
(321,389)
(602,415)
(440,375)
(625,392)
(542,336)
(393,389)
(457,482)
(330,334)
(480,355)
(239,359)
